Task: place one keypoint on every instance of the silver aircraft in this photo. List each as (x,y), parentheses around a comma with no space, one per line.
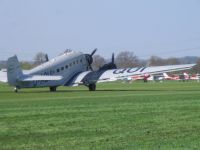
(73,69)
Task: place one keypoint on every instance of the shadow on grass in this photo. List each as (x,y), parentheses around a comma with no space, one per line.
(100,90)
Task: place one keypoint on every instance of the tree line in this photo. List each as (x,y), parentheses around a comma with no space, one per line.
(124,59)
(127,59)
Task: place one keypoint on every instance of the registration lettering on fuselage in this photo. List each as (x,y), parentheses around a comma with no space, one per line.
(128,70)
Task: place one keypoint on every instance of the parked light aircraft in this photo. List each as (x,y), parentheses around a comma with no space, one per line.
(146,77)
(195,77)
(73,69)
(191,77)
(137,77)
(167,77)
(185,77)
(141,77)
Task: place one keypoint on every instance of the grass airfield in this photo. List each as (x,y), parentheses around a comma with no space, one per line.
(116,116)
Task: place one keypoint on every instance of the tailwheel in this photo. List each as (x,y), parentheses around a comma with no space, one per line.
(52,89)
(16,89)
(92,87)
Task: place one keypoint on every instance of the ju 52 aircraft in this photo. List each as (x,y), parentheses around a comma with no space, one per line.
(73,69)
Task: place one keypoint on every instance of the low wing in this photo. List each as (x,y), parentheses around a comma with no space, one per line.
(40,78)
(117,74)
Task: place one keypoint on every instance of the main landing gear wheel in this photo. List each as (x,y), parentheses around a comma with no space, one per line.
(52,89)
(92,87)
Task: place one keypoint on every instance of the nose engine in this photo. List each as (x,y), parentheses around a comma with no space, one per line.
(89,59)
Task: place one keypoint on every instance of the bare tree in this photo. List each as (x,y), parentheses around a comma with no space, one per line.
(156,61)
(26,65)
(40,58)
(196,69)
(126,59)
(172,61)
(98,61)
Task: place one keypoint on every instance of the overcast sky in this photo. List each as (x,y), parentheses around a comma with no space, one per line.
(147,27)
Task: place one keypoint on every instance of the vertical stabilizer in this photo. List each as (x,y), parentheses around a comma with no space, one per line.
(14,71)
(165,75)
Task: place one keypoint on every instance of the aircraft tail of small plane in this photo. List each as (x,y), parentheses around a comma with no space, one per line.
(14,71)
(165,75)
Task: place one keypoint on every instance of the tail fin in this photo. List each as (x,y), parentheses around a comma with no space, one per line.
(165,75)
(186,76)
(14,71)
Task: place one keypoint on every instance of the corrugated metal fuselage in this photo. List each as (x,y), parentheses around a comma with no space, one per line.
(67,65)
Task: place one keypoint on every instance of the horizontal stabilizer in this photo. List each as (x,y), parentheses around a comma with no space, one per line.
(40,78)
(3,76)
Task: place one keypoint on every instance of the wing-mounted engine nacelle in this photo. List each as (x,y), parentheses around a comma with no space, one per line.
(110,65)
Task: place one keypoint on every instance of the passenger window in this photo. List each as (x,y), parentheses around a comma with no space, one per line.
(70,65)
(62,68)
(66,66)
(58,70)
(77,62)
(74,62)
(81,60)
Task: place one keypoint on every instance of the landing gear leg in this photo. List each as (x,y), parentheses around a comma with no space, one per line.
(92,87)
(52,89)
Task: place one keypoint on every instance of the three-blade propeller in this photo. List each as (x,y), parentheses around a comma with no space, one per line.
(46,58)
(90,59)
(113,58)
(110,65)
(93,52)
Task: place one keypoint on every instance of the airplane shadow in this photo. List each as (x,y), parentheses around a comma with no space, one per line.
(100,90)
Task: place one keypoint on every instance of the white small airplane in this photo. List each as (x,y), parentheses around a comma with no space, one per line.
(73,69)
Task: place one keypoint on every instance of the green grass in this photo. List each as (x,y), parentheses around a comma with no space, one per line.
(116,116)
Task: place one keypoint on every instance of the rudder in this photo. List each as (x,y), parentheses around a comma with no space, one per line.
(14,71)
